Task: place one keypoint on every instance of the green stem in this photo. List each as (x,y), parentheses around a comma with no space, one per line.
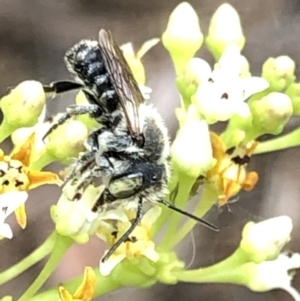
(37,255)
(5,130)
(104,285)
(185,185)
(165,214)
(208,199)
(291,139)
(229,270)
(43,161)
(62,243)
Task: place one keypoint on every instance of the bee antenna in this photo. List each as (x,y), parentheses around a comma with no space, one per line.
(123,238)
(198,219)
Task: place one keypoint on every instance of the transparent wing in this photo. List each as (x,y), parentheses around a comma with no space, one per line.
(123,81)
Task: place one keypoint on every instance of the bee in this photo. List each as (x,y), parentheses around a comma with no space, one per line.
(130,150)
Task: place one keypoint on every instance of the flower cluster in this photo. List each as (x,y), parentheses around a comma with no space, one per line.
(211,165)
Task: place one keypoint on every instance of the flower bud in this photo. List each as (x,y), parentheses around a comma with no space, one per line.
(183,36)
(264,240)
(7,298)
(24,104)
(279,72)
(271,113)
(90,123)
(224,29)
(293,91)
(187,82)
(67,140)
(191,151)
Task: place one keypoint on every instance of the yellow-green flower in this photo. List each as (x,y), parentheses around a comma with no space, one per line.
(139,243)
(16,175)
(230,175)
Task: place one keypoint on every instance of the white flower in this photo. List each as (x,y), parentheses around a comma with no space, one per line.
(223,92)
(274,274)
(9,202)
(265,240)
(139,242)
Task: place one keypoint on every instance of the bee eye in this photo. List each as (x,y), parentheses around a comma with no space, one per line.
(154,178)
(126,185)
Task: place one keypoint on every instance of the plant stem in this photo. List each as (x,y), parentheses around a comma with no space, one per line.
(208,199)
(5,130)
(291,139)
(229,270)
(43,161)
(37,255)
(185,185)
(104,285)
(62,243)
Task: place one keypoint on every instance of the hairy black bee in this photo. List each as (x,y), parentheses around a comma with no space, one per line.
(130,151)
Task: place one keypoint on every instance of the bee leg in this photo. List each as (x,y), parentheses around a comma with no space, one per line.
(85,180)
(60,87)
(74,110)
(124,237)
(196,218)
(82,164)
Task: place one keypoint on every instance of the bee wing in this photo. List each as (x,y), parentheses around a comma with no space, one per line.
(123,81)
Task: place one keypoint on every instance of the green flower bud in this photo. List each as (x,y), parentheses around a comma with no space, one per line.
(90,123)
(271,113)
(236,130)
(188,81)
(67,140)
(293,91)
(279,72)
(22,106)
(7,298)
(224,29)
(183,36)
(265,240)
(191,151)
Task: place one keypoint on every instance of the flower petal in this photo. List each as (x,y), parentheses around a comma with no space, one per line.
(151,216)
(252,85)
(150,253)
(107,266)
(23,153)
(38,178)
(9,202)
(64,295)
(5,231)
(21,216)
(86,290)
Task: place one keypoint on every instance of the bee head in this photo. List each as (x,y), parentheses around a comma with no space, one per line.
(80,56)
(146,179)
